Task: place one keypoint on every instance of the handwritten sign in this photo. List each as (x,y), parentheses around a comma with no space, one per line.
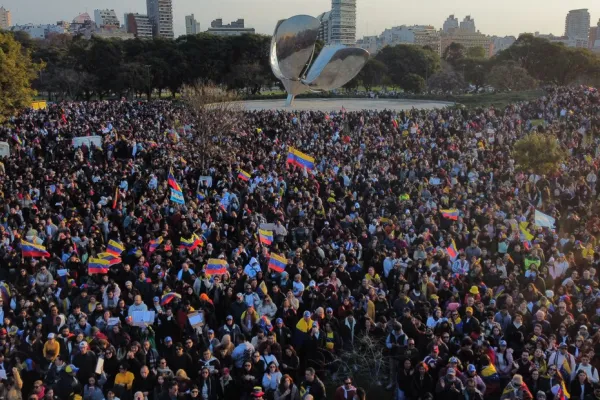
(196,319)
(143,318)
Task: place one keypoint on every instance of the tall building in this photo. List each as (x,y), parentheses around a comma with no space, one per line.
(324,30)
(577,24)
(502,43)
(192,26)
(342,22)
(468,24)
(139,25)
(233,29)
(106,18)
(468,40)
(451,24)
(5,18)
(160,13)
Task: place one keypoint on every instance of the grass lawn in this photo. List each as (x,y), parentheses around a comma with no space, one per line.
(499,100)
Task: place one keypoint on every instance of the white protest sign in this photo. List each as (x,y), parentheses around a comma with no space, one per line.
(99,365)
(4,149)
(196,319)
(544,220)
(112,321)
(143,318)
(62,272)
(87,140)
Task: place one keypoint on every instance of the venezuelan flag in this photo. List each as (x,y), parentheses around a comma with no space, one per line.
(111,258)
(450,214)
(169,297)
(266,237)
(33,250)
(191,243)
(17,139)
(116,198)
(277,263)
(216,266)
(154,244)
(172,182)
(452,251)
(98,266)
(177,196)
(200,196)
(245,176)
(197,241)
(115,248)
(300,159)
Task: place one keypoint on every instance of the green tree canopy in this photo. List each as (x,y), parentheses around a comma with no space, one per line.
(539,152)
(454,53)
(476,52)
(509,76)
(405,59)
(16,73)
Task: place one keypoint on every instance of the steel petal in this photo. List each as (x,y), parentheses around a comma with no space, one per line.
(293,45)
(335,66)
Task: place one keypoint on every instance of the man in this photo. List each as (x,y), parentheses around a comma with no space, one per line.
(346,391)
(589,369)
(242,351)
(180,360)
(85,361)
(145,383)
(312,385)
(172,391)
(230,328)
(449,387)
(283,334)
(560,359)
(395,342)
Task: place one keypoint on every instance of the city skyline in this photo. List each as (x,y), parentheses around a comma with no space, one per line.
(372,15)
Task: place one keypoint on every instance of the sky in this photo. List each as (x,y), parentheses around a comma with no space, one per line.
(498,17)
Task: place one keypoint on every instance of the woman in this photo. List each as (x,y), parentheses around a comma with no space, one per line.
(183,381)
(539,360)
(535,383)
(287,390)
(208,387)
(246,378)
(290,362)
(91,391)
(422,382)
(271,379)
(405,377)
(581,386)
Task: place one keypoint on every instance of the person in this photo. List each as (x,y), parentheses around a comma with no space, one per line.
(207,385)
(287,389)
(580,386)
(516,389)
(271,378)
(345,391)
(91,391)
(422,382)
(449,386)
(312,385)
(123,380)
(171,393)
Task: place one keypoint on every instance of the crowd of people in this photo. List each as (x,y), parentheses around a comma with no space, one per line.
(413,237)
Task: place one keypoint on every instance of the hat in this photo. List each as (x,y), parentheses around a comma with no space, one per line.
(257,392)
(71,368)
(588,287)
(307,314)
(474,290)
(435,348)
(492,301)
(563,345)
(469,309)
(453,360)
(240,296)
(583,327)
(168,339)
(503,343)
(128,283)
(279,321)
(471,368)
(451,371)
(229,317)
(434,297)
(51,335)
(156,299)
(225,371)
(329,309)
(211,332)
(83,345)
(312,284)
(315,324)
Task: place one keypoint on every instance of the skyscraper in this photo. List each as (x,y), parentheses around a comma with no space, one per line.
(160,13)
(342,23)
(577,24)
(139,25)
(106,18)
(5,18)
(192,26)
(468,24)
(451,24)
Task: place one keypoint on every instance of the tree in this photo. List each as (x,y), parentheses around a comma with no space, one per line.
(413,83)
(447,80)
(374,73)
(405,59)
(476,52)
(474,71)
(454,53)
(509,76)
(540,153)
(16,73)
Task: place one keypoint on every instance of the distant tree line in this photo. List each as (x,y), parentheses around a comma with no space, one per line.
(77,68)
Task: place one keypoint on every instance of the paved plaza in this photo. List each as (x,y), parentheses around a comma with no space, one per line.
(348,104)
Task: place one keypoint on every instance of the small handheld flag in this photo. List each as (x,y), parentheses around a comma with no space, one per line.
(115,248)
(98,266)
(116,198)
(177,196)
(451,214)
(154,244)
(296,157)
(33,250)
(169,297)
(216,266)
(266,237)
(452,251)
(243,175)
(277,263)
(172,182)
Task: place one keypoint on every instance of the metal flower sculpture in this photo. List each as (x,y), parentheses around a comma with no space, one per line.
(292,50)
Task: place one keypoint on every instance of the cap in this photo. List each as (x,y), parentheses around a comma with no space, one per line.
(307,314)
(51,336)
(453,360)
(229,317)
(225,371)
(312,284)
(451,371)
(329,309)
(474,290)
(315,324)
(128,283)
(156,299)
(563,345)
(471,368)
(211,332)
(71,368)
(503,343)
(83,345)
(279,321)
(240,296)
(469,309)
(168,339)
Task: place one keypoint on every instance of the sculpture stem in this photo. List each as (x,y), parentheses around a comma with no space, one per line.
(290,100)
